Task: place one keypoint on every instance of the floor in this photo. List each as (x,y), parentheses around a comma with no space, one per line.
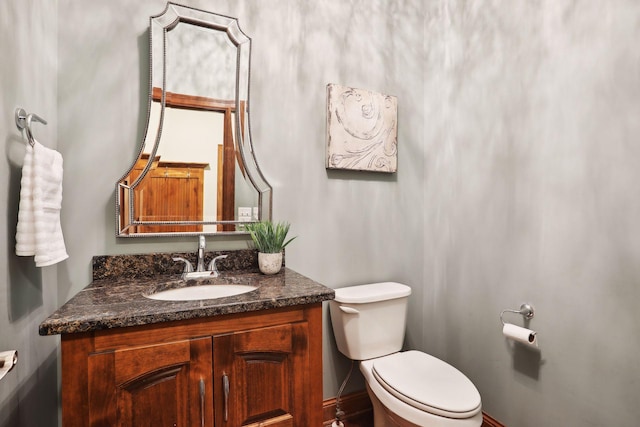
(365,420)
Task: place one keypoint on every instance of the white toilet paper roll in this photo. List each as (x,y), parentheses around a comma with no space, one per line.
(8,359)
(523,335)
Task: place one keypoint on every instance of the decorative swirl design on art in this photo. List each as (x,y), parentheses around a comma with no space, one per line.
(359,114)
(362,130)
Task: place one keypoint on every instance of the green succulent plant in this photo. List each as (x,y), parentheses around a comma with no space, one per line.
(269,237)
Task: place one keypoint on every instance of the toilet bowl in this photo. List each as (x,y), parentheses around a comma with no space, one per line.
(407,388)
(422,390)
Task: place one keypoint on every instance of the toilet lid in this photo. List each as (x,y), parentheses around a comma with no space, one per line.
(428,383)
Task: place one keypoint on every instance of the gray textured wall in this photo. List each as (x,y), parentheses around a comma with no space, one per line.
(518,157)
(532,165)
(28,78)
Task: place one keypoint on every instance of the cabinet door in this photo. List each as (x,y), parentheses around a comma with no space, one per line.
(161,385)
(259,377)
(170,194)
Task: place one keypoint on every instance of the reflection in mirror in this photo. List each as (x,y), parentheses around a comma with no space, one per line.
(195,172)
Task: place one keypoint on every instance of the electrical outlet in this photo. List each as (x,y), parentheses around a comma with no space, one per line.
(244,214)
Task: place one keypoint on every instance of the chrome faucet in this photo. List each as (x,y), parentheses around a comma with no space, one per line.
(201,245)
(190,273)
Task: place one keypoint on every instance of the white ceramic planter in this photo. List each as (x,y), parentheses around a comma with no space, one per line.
(270,263)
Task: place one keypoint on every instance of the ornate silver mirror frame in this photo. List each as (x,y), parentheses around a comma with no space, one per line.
(161,195)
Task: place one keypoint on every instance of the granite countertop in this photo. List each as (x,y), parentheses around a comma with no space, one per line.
(117,301)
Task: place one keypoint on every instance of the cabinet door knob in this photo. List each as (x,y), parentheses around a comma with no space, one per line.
(202,391)
(225,386)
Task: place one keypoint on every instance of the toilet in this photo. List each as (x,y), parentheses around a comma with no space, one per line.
(407,388)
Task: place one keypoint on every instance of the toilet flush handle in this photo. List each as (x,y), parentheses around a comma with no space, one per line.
(349,310)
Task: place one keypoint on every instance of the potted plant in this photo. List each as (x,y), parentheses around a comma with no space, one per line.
(269,239)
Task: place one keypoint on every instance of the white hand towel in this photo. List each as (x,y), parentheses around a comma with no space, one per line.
(39,232)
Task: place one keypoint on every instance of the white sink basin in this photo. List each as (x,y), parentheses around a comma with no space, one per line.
(192,293)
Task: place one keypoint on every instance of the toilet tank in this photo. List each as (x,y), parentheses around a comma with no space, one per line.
(369,320)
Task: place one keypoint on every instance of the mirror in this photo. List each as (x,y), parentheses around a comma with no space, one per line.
(196,172)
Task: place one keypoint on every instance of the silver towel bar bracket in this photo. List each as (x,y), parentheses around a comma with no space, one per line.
(526,310)
(23,121)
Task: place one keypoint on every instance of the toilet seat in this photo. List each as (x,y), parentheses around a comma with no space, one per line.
(428,384)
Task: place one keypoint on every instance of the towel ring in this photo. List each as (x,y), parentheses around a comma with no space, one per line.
(23,121)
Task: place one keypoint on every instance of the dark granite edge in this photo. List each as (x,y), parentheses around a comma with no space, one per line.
(52,327)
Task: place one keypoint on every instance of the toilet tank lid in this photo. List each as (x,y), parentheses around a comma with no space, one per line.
(372,292)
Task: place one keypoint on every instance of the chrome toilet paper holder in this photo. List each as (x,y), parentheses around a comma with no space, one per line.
(526,310)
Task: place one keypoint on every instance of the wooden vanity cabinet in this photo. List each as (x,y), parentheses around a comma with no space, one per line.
(152,385)
(254,369)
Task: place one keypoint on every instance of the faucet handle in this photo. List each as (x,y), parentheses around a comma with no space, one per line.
(212,264)
(188,267)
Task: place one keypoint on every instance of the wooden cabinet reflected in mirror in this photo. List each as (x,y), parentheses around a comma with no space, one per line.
(180,183)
